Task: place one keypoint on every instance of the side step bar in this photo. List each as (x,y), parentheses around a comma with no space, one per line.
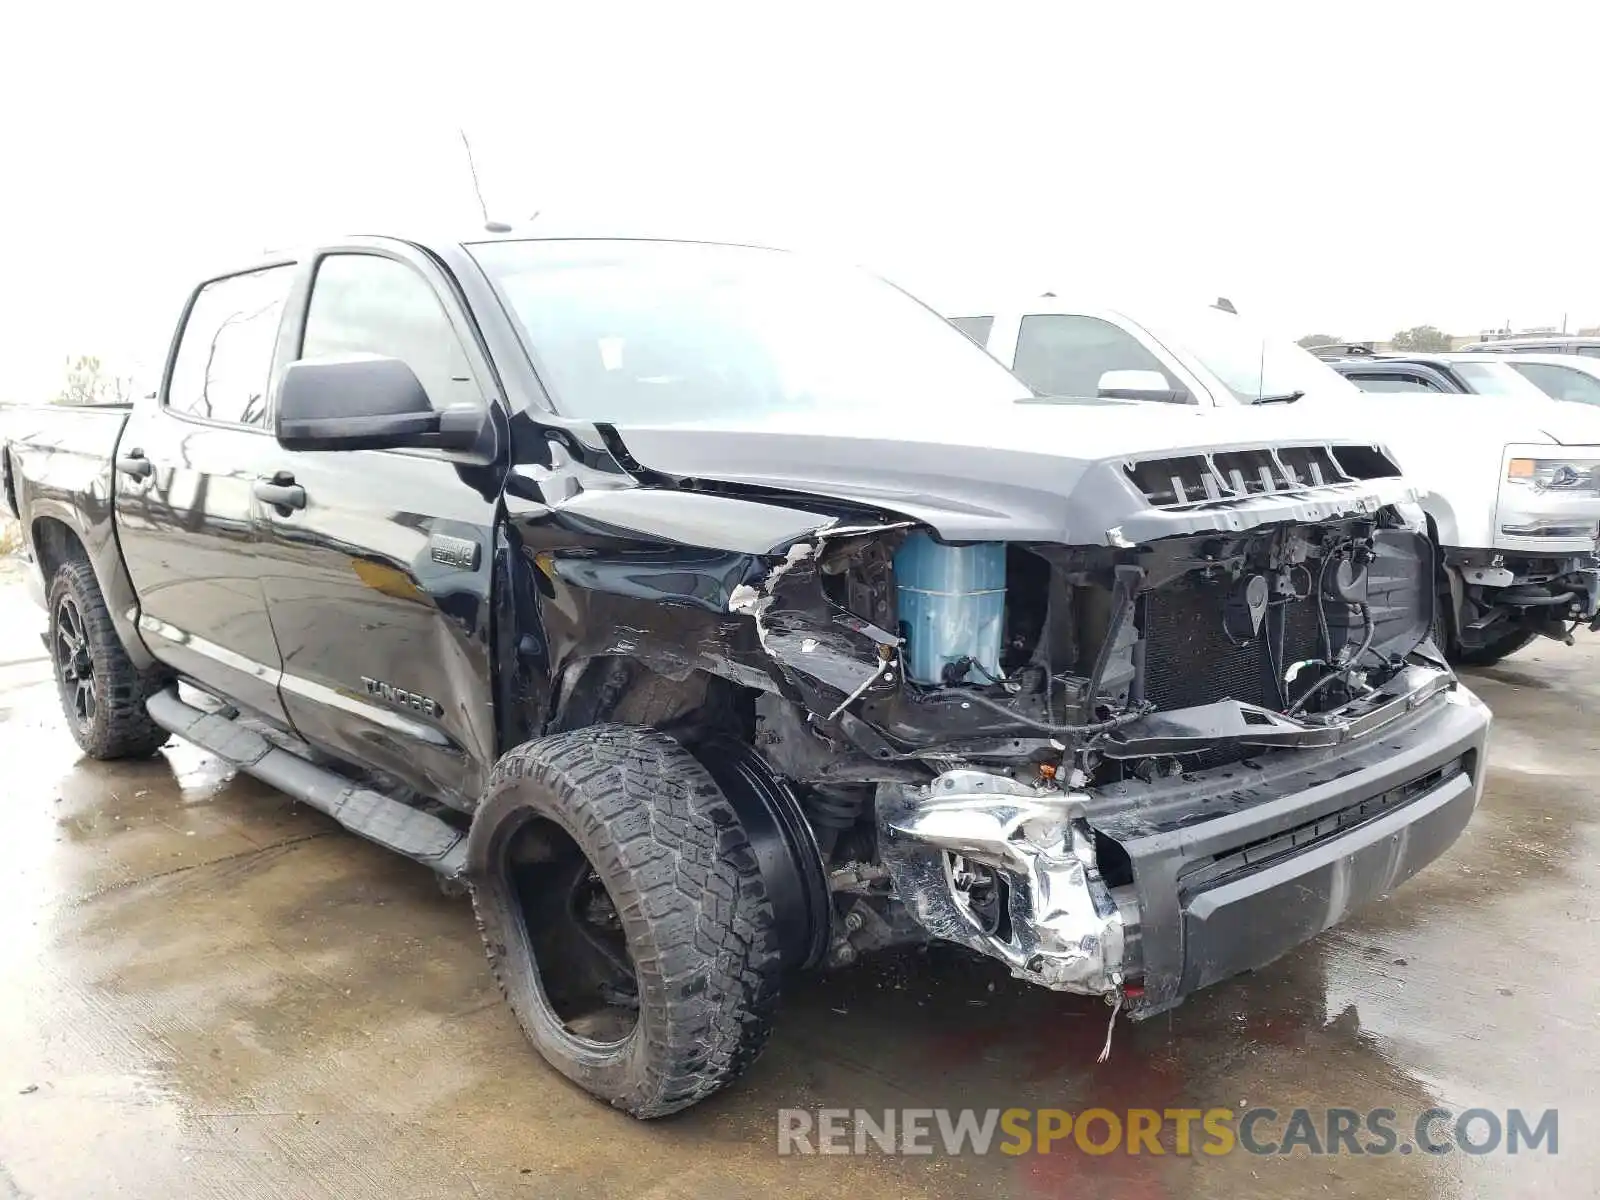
(379,818)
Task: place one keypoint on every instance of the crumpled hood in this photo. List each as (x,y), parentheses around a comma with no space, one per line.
(1028,471)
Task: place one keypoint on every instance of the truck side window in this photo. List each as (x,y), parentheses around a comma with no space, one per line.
(1063,354)
(1564,383)
(368,304)
(976,328)
(1397,382)
(225,350)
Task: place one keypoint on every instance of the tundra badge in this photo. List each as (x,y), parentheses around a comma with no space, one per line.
(426,705)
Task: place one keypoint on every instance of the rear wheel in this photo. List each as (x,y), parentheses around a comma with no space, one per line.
(102,692)
(624,916)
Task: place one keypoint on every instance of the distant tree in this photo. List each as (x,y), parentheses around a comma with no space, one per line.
(1422,338)
(87,383)
(1312,340)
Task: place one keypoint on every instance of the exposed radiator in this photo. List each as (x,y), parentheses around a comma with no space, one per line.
(1189,659)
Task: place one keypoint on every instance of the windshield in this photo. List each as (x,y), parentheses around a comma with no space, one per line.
(675,332)
(1560,383)
(1250,363)
(1497,379)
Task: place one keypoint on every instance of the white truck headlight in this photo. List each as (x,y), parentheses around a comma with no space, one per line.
(1550,495)
(1571,476)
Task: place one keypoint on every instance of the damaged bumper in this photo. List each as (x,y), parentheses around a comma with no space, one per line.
(1007,869)
(1177,883)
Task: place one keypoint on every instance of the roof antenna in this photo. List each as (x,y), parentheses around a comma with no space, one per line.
(491,226)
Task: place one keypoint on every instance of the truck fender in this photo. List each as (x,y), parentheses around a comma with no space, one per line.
(1443,526)
(56,532)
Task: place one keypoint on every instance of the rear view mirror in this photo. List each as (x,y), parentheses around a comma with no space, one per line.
(1140,385)
(367,403)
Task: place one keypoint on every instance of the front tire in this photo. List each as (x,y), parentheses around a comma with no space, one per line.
(1487,656)
(1444,636)
(624,916)
(102,692)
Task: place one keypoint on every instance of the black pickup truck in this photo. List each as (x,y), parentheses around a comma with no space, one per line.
(713,614)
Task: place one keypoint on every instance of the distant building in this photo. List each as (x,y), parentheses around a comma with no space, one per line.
(1505,331)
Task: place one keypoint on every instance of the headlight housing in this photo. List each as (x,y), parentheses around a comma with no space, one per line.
(1569,476)
(1549,494)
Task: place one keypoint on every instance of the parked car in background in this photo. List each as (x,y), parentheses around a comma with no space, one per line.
(1442,374)
(1553,343)
(1509,479)
(1570,377)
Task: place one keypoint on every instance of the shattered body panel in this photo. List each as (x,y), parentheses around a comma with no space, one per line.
(1199,661)
(1061,927)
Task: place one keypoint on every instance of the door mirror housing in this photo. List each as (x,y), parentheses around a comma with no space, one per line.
(367,403)
(1140,385)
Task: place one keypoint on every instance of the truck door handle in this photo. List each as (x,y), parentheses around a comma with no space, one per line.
(135,463)
(281,492)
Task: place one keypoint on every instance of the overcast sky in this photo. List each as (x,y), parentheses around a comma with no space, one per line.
(1340,168)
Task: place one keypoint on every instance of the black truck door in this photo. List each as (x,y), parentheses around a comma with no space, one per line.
(186,467)
(378,581)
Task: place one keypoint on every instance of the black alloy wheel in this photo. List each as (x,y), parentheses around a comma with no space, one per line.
(74,664)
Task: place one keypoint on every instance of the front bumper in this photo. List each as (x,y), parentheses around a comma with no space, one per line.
(1224,869)
(1493,590)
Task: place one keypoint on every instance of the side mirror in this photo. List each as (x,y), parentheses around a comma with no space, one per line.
(1140,385)
(366,403)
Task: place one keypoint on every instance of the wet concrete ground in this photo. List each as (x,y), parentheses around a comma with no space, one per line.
(206,990)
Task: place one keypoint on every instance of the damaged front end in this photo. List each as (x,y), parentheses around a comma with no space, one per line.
(1110,763)
(1010,870)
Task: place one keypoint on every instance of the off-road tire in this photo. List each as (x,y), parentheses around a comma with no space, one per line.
(119,726)
(675,861)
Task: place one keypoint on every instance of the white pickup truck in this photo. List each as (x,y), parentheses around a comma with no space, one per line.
(1511,490)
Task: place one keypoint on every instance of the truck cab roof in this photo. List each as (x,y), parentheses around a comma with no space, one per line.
(1555,343)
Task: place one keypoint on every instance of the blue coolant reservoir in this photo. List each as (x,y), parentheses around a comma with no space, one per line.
(952,604)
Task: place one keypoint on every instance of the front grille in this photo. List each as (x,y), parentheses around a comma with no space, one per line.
(1364,462)
(1190,661)
(1252,856)
(1310,464)
(1170,482)
(1198,479)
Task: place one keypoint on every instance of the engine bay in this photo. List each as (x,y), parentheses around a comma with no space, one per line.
(1064,659)
(970,714)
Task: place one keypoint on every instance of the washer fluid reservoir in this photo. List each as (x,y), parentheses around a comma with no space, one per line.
(952,602)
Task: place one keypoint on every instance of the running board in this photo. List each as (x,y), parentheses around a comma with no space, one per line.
(374,816)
